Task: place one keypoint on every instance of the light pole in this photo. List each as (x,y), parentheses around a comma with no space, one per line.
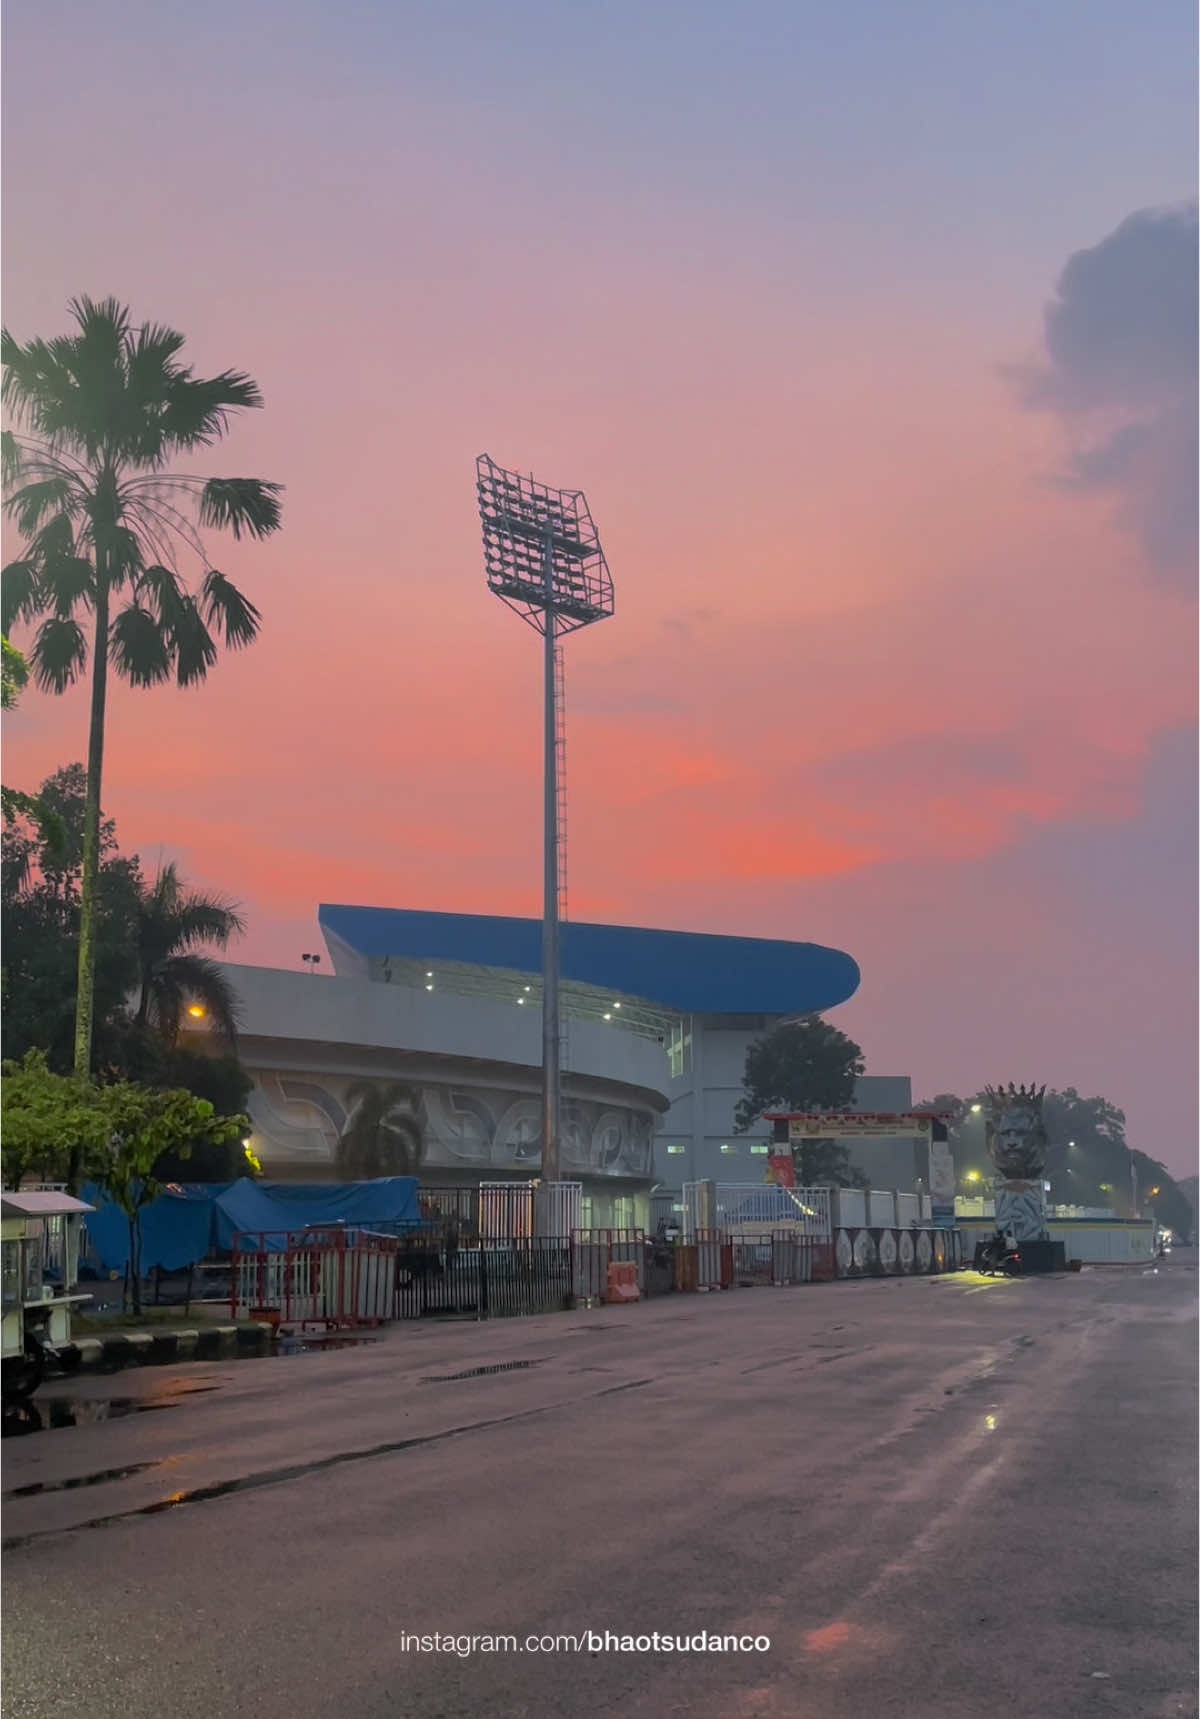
(543,558)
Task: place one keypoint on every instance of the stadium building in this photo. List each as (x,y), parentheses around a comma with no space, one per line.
(445,1009)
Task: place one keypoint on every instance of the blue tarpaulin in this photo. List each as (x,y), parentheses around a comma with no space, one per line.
(189,1220)
(276,1206)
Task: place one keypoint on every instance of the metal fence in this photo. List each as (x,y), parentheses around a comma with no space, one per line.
(593,1251)
(335,1277)
(522,1275)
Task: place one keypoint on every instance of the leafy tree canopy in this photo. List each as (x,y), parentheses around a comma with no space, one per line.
(149,942)
(803,1065)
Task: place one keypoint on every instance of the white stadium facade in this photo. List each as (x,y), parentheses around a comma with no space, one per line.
(446,1009)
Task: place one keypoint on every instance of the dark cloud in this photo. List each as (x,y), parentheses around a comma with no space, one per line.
(1120,369)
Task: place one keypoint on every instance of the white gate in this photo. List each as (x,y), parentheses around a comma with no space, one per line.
(505,1212)
(558,1208)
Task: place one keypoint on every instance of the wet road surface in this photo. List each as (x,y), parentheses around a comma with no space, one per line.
(933,1496)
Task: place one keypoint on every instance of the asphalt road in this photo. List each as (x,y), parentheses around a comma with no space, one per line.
(934,1497)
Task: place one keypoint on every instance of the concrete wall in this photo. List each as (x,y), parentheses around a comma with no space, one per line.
(473,1067)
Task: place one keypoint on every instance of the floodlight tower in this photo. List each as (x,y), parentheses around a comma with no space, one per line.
(542,555)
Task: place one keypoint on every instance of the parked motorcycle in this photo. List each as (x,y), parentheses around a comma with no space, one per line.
(998,1259)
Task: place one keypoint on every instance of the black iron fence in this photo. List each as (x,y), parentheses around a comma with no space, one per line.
(520,1276)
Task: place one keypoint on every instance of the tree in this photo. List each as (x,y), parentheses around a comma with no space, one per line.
(826,1164)
(13,802)
(384,1135)
(102,412)
(39,916)
(44,1116)
(173,923)
(804,1065)
(143,1127)
(123,1132)
(141,1056)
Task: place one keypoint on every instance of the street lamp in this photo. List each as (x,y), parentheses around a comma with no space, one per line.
(542,556)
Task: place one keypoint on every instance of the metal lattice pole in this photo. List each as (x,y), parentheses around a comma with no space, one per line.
(543,558)
(551,1101)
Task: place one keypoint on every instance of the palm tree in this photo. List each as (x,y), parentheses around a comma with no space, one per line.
(385,1135)
(173,923)
(100,415)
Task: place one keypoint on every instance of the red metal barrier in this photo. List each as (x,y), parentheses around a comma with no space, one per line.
(333,1278)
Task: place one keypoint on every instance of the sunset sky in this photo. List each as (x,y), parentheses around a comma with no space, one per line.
(870,332)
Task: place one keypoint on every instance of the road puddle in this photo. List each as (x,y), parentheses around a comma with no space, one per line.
(480,1372)
(46,1414)
(291,1345)
(37,1487)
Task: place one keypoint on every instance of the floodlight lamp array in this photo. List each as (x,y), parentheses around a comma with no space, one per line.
(541,549)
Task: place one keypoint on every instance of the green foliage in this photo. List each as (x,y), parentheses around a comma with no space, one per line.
(15,675)
(385,1134)
(146,947)
(14,803)
(145,1127)
(39,922)
(45,1115)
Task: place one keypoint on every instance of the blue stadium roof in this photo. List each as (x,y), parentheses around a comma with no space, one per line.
(693,972)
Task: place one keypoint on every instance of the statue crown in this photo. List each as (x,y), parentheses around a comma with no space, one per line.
(1001,1096)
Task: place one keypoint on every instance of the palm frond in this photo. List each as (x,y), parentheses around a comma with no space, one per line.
(196,412)
(243,505)
(192,645)
(34,383)
(104,322)
(204,981)
(66,581)
(121,549)
(205,919)
(161,586)
(137,647)
(59,653)
(54,541)
(12,460)
(20,594)
(29,505)
(225,608)
(149,356)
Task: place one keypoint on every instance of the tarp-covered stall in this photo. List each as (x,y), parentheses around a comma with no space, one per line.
(192,1219)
